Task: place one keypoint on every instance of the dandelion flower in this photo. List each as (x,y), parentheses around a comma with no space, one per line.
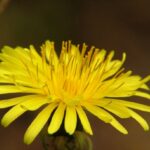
(66,86)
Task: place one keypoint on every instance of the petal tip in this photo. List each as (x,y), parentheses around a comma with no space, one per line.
(70,133)
(4,123)
(146,128)
(27,141)
(125,132)
(51,131)
(90,132)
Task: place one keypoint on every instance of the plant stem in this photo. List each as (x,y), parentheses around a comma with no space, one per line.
(78,141)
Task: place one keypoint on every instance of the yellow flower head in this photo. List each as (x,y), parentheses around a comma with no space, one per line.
(66,86)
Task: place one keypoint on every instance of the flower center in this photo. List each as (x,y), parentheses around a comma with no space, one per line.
(71,100)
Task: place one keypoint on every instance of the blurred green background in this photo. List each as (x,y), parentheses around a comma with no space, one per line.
(109,24)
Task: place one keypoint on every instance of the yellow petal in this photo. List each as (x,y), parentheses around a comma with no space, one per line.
(15,54)
(118,126)
(84,120)
(99,58)
(109,105)
(12,114)
(38,123)
(139,119)
(9,69)
(106,117)
(113,67)
(146,79)
(142,94)
(133,105)
(34,103)
(35,55)
(57,119)
(70,120)
(145,87)
(4,89)
(50,53)
(7,50)
(11,60)
(124,86)
(98,112)
(13,101)
(21,52)
(4,79)
(18,52)
(118,110)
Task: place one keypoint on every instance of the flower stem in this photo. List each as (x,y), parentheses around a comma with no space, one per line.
(78,141)
(43,141)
